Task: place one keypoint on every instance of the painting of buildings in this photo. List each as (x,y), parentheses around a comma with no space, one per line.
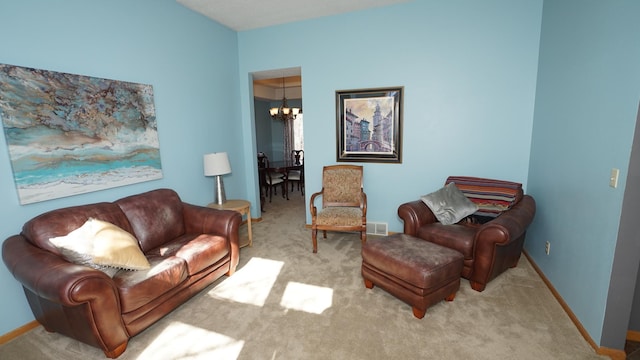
(369,124)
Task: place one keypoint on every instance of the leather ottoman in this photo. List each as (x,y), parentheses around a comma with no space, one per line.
(415,271)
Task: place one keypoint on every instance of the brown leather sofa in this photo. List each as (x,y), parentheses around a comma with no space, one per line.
(187,246)
(489,248)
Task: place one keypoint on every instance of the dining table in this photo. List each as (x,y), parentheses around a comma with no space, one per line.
(283,167)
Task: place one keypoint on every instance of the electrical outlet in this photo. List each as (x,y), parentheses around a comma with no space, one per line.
(547,247)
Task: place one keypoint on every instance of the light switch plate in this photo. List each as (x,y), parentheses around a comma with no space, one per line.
(613,180)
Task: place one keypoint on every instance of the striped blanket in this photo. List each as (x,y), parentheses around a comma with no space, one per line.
(492,196)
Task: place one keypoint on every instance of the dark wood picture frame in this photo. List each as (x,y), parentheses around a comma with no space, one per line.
(369,125)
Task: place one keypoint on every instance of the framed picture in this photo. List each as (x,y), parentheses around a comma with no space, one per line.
(70,134)
(369,125)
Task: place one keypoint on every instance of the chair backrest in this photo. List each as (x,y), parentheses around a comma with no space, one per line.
(342,185)
(297,156)
(262,160)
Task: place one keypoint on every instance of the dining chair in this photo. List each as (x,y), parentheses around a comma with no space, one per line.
(344,203)
(297,175)
(271,180)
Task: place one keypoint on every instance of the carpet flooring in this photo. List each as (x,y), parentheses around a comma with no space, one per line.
(284,302)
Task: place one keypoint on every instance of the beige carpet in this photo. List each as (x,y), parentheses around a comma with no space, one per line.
(285,302)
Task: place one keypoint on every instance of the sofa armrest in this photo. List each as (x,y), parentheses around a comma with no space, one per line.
(52,277)
(225,223)
(54,285)
(415,214)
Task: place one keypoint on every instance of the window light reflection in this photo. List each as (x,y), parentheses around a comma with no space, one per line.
(250,284)
(307,298)
(182,341)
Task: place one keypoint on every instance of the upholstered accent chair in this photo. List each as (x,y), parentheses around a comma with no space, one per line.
(491,237)
(344,203)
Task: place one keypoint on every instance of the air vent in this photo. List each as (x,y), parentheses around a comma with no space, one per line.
(377,228)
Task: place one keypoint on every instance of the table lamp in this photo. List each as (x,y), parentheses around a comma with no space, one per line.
(217,164)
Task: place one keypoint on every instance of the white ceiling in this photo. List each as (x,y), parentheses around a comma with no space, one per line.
(243,15)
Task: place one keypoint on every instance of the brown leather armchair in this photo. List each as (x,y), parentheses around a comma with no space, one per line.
(490,247)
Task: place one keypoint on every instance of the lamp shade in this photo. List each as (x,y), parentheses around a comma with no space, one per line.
(216,164)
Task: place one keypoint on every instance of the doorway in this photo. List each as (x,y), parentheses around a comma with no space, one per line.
(275,137)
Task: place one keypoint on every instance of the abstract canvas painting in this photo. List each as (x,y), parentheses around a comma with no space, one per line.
(71,134)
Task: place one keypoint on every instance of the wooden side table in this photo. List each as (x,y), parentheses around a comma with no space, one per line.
(241,206)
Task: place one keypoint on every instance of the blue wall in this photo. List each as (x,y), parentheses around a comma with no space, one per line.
(270,133)
(473,87)
(585,116)
(263,128)
(192,64)
(468,69)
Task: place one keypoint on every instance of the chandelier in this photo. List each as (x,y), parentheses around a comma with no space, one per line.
(284,112)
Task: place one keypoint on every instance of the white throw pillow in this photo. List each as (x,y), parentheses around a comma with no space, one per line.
(449,204)
(99,244)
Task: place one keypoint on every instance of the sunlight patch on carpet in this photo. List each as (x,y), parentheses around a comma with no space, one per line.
(183,341)
(307,298)
(251,284)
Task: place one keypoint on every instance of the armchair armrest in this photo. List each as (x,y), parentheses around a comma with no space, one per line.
(415,214)
(498,243)
(511,225)
(312,207)
(225,223)
(363,205)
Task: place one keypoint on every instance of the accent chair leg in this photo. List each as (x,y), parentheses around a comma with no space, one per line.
(314,240)
(451,297)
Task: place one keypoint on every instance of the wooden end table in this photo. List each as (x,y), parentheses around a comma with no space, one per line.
(241,206)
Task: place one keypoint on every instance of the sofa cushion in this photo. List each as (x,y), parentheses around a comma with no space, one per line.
(98,244)
(198,251)
(449,205)
(492,196)
(137,288)
(156,217)
(457,237)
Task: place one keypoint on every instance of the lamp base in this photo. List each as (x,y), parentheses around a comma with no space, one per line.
(220,196)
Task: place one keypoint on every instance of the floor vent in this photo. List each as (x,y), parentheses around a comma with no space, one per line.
(377,228)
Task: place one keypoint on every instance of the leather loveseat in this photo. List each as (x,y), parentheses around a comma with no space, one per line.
(187,247)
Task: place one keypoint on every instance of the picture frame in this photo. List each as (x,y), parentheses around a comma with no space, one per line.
(369,125)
